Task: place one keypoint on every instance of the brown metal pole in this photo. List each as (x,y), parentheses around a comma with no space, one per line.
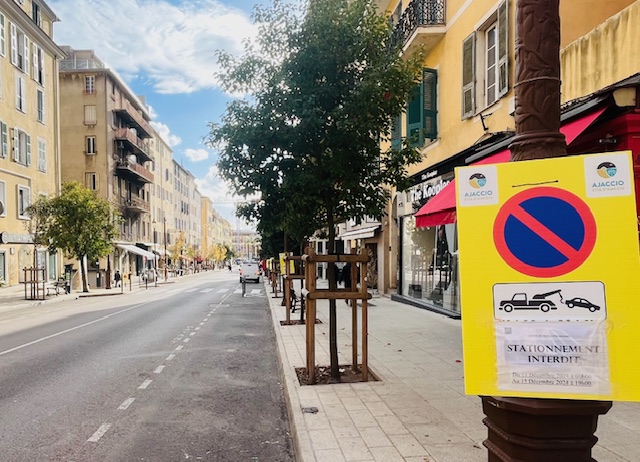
(531,429)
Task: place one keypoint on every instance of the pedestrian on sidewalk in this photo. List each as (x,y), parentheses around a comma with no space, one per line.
(117,278)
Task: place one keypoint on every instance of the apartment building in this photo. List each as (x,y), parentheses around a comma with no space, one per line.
(105,134)
(462,113)
(161,200)
(29,143)
(183,211)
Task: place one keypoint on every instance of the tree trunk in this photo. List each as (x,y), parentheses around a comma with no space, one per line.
(333,321)
(83,275)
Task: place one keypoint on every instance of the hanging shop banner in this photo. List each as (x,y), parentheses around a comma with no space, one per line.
(550,278)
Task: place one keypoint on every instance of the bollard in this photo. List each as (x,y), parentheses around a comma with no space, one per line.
(244,286)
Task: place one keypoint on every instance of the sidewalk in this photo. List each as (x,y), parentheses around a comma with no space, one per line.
(418,411)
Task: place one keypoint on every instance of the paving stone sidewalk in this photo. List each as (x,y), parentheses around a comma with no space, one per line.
(418,411)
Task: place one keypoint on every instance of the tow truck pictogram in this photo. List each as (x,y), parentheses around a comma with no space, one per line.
(520,301)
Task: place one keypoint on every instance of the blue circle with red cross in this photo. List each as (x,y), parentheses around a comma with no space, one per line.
(544,232)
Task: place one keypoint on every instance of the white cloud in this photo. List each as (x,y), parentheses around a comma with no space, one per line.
(196,155)
(165,133)
(172,45)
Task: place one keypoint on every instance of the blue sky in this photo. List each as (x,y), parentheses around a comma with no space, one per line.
(165,51)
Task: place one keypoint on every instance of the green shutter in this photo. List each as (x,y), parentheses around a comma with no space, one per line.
(414,118)
(469,76)
(503,48)
(396,134)
(430,103)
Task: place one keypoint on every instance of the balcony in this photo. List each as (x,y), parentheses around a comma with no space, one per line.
(422,24)
(134,205)
(132,143)
(133,171)
(132,117)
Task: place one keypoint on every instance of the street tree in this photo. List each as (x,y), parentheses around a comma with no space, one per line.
(324,85)
(77,222)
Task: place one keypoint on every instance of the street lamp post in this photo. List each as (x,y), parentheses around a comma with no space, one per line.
(164,229)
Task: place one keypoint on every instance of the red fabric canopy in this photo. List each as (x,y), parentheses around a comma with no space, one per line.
(441,208)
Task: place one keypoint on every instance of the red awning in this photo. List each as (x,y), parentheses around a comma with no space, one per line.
(441,209)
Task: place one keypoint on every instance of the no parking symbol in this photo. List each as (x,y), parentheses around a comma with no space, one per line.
(544,232)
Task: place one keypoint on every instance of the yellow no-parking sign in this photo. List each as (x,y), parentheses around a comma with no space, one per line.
(550,278)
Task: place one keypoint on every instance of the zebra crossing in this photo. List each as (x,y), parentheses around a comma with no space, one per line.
(251,292)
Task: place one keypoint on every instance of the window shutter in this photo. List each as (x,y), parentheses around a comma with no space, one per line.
(25,59)
(396,133)
(3,39)
(414,118)
(16,144)
(469,76)
(14,44)
(503,48)
(430,103)
(4,140)
(28,141)
(36,66)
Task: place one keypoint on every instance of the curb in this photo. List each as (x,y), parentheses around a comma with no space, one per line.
(299,433)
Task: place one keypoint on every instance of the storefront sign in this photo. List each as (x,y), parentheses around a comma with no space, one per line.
(10,238)
(427,189)
(549,274)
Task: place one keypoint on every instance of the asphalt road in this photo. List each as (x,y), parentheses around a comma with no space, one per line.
(185,371)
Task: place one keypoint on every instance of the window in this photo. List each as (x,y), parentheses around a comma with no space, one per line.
(38,64)
(36,15)
(485,63)
(3,34)
(90,145)
(42,155)
(422,110)
(89,115)
(24,201)
(90,84)
(91,181)
(21,147)
(3,199)
(4,140)
(40,98)
(21,94)
(19,49)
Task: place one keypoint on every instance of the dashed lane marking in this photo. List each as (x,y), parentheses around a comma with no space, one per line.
(179,347)
(186,340)
(159,369)
(145,384)
(205,291)
(170,357)
(104,428)
(192,334)
(222,291)
(126,403)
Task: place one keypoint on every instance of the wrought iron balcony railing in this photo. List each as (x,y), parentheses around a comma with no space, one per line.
(419,13)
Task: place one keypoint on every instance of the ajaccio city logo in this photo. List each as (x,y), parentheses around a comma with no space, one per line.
(477,180)
(607,169)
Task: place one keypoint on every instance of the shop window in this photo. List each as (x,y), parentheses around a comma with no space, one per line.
(422,110)
(485,63)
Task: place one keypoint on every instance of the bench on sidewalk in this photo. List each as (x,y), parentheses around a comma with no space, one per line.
(56,287)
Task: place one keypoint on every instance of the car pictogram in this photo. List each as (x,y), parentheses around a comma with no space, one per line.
(582,303)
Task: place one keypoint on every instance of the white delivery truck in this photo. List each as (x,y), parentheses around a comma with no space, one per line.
(249,271)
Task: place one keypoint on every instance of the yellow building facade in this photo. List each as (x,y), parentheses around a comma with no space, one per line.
(462,112)
(29,142)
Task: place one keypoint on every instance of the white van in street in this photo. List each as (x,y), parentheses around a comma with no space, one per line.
(249,271)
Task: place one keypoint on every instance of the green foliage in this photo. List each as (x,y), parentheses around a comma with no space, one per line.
(323,92)
(77,222)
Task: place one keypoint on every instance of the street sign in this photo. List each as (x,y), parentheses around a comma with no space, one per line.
(544,232)
(549,278)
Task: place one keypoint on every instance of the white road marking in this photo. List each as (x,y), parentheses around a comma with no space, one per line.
(205,319)
(127,402)
(103,318)
(145,384)
(237,291)
(186,340)
(205,291)
(192,334)
(201,324)
(100,432)
(179,347)
(190,290)
(170,357)
(256,291)
(222,291)
(174,291)
(159,369)
(197,328)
